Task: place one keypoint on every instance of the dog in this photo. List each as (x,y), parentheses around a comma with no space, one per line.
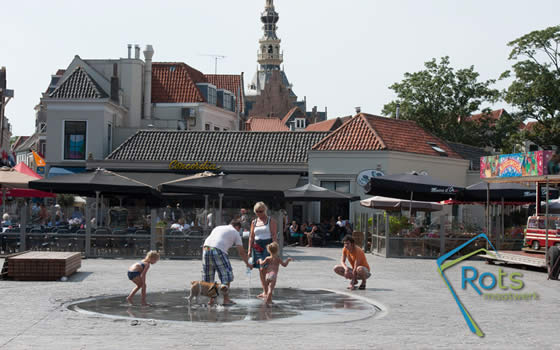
(207,289)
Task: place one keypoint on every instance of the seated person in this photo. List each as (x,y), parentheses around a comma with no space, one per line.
(6,220)
(314,233)
(177,226)
(131,228)
(180,226)
(295,233)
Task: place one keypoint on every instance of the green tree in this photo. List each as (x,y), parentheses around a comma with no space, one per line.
(535,90)
(440,99)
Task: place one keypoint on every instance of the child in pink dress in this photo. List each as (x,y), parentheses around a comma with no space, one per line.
(272,264)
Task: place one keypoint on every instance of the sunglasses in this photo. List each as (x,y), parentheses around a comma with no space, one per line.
(259,211)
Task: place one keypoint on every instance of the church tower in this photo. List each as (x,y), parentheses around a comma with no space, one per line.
(269,56)
(279,98)
(270,93)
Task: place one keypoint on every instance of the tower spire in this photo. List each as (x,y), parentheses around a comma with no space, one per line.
(269,56)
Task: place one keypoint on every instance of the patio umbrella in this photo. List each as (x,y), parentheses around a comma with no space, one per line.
(252,185)
(509,192)
(312,192)
(412,187)
(12,178)
(24,169)
(387,203)
(97,181)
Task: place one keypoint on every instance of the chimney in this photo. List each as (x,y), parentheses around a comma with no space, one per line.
(129,51)
(137,51)
(326,115)
(358,110)
(148,54)
(398,112)
(115,85)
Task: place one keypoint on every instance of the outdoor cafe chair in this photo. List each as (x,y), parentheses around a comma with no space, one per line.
(141,242)
(119,241)
(103,241)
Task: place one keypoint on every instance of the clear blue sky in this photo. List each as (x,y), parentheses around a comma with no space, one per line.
(340,54)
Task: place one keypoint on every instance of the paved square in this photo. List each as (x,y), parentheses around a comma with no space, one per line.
(419,311)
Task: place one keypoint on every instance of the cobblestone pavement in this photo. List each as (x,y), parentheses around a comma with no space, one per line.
(419,311)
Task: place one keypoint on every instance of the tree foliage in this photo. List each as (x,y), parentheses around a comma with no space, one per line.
(535,90)
(440,99)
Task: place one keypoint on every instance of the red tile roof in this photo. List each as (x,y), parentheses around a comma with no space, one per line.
(325,125)
(265,124)
(231,82)
(528,126)
(494,115)
(175,82)
(365,132)
(289,114)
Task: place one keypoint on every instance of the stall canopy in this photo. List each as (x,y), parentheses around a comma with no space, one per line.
(411,186)
(265,185)
(509,192)
(99,180)
(390,204)
(312,192)
(24,169)
(12,178)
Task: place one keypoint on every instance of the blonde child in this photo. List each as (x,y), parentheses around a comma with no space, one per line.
(272,264)
(137,274)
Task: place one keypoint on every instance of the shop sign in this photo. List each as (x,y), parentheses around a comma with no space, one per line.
(365,175)
(520,164)
(177,165)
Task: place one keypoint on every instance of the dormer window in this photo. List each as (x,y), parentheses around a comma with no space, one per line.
(300,123)
(438,149)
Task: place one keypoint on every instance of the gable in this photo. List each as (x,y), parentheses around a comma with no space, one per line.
(79,85)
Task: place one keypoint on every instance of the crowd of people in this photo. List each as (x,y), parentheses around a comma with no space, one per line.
(310,234)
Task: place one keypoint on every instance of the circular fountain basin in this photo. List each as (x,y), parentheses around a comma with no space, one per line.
(289,306)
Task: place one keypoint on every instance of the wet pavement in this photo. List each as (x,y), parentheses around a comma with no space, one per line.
(290,305)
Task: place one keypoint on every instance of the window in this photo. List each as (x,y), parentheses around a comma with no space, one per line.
(42,147)
(216,128)
(75,140)
(227,102)
(109,138)
(438,149)
(339,186)
(212,96)
(300,123)
(206,126)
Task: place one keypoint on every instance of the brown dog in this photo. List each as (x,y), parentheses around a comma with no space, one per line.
(207,289)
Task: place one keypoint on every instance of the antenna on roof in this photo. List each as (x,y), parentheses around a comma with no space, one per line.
(216,58)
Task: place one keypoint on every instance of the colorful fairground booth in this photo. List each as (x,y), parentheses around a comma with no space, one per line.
(540,170)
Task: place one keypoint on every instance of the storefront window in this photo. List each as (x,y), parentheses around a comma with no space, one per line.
(75,139)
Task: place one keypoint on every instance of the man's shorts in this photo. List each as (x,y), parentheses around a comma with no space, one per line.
(213,260)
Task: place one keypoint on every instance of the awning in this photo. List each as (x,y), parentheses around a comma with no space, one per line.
(250,186)
(100,180)
(57,171)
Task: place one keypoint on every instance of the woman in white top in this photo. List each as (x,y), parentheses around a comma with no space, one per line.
(263,232)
